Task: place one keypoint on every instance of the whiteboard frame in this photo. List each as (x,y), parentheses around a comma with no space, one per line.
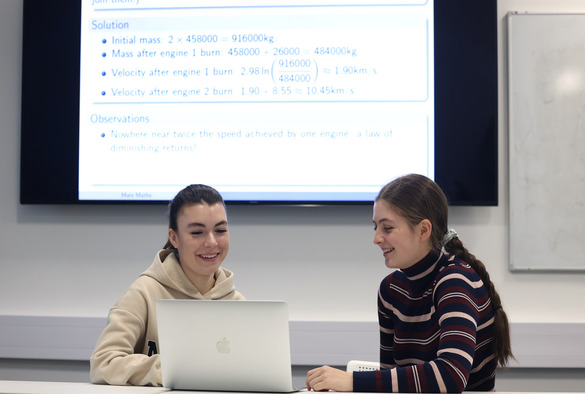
(521,197)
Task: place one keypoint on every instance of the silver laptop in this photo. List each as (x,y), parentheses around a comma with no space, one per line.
(224,345)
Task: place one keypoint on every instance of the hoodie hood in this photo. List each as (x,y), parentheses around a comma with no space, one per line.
(167,270)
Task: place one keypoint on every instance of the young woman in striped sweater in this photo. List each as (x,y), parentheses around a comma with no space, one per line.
(442,325)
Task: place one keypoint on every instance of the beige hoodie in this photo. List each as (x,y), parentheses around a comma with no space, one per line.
(127,351)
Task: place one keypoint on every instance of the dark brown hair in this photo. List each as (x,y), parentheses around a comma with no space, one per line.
(192,194)
(416,197)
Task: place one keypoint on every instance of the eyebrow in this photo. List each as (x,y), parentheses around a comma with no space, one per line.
(197,224)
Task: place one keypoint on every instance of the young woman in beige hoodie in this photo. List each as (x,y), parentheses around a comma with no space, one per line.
(188,267)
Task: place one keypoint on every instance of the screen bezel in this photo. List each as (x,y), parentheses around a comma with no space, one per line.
(466,164)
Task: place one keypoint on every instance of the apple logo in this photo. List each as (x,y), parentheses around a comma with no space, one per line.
(223,346)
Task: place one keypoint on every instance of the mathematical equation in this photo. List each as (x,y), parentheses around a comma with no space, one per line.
(260,66)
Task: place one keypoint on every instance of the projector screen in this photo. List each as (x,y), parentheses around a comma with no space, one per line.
(266,100)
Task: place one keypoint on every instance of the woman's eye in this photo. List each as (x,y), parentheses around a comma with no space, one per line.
(221,230)
(196,232)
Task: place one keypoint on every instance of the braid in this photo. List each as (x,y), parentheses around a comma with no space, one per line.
(502,344)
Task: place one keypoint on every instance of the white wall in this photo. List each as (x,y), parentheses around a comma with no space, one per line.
(76,261)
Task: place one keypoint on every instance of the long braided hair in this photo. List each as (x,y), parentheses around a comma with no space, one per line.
(416,197)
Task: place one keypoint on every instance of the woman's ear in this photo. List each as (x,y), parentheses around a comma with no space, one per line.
(173,238)
(425,229)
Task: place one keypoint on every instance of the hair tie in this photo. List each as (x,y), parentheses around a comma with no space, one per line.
(449,235)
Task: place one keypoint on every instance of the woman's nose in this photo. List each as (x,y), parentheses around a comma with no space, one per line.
(377,238)
(210,240)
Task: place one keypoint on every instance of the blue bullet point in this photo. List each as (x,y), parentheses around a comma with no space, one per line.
(103,93)
(104,41)
(104,54)
(103,73)
(103,135)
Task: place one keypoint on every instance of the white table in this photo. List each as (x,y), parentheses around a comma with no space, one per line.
(23,387)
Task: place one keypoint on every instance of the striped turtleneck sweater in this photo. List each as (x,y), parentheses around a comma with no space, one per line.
(436,330)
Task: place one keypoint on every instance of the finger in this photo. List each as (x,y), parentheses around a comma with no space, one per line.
(314,370)
(310,380)
(318,383)
(314,373)
(314,381)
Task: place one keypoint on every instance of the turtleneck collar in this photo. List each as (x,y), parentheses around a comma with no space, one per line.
(426,267)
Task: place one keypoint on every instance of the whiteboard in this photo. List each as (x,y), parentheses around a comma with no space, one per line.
(546,98)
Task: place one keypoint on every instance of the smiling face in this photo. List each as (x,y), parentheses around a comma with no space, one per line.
(402,245)
(202,242)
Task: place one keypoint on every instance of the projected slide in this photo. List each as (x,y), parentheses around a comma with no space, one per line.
(264,100)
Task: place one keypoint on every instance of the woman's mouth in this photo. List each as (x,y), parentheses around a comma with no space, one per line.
(209,257)
(387,251)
